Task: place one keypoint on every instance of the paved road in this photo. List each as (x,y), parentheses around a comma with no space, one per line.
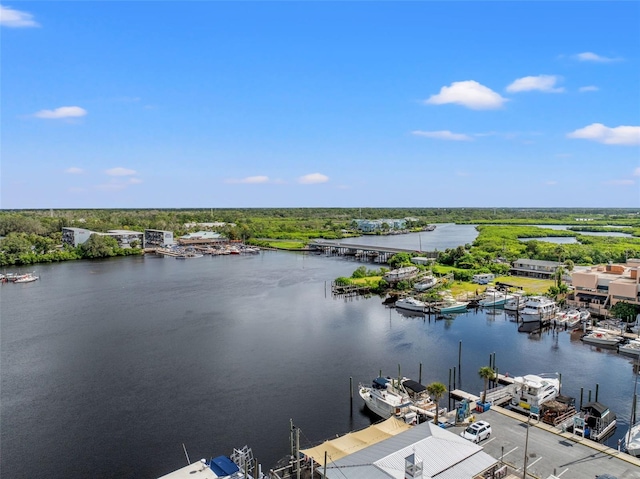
(549,451)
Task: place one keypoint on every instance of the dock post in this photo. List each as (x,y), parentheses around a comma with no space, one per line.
(454,377)
(380,375)
(449,389)
(399,375)
(581,393)
(560,379)
(496,379)
(494,362)
(459,362)
(420,374)
(351,388)
(597,387)
(589,395)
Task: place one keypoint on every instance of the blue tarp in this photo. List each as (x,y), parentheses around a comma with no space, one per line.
(382,382)
(223,466)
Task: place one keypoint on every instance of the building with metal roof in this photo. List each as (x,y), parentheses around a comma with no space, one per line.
(425,451)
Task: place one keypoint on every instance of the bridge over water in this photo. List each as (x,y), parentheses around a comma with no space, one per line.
(380,254)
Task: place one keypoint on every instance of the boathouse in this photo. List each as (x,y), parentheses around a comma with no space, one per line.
(400,274)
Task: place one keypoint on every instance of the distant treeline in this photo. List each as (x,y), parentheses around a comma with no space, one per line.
(35,235)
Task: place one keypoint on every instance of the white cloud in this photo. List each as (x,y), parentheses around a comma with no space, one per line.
(62,112)
(468,93)
(551,183)
(620,135)
(119,171)
(15,18)
(250,180)
(636,172)
(588,88)
(545,83)
(620,182)
(593,57)
(74,171)
(443,135)
(313,178)
(135,181)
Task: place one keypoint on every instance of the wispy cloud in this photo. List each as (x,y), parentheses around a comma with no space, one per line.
(119,171)
(16,18)
(313,178)
(116,184)
(62,112)
(636,172)
(583,89)
(470,94)
(74,171)
(252,180)
(463,173)
(619,135)
(620,182)
(594,57)
(544,83)
(443,135)
(551,182)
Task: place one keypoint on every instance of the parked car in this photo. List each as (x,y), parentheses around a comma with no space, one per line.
(478,431)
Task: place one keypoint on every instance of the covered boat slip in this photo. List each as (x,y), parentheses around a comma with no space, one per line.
(355,441)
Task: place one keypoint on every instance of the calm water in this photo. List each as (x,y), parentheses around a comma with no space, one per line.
(109,367)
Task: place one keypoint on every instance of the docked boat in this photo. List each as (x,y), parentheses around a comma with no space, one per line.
(452,307)
(515,303)
(538,308)
(237,466)
(403,398)
(602,337)
(532,391)
(494,299)
(385,400)
(631,441)
(412,304)
(631,347)
(425,283)
(599,421)
(585,315)
(26,278)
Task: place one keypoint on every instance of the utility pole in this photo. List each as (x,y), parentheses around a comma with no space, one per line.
(526,445)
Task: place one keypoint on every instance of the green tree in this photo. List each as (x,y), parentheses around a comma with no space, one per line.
(486,373)
(99,246)
(625,311)
(436,391)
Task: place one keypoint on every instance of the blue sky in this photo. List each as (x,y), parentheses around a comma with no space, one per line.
(329,104)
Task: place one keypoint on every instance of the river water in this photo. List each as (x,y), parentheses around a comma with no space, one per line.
(108,367)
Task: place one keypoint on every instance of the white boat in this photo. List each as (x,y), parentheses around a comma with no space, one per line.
(237,466)
(515,303)
(632,347)
(452,306)
(631,441)
(26,278)
(425,283)
(602,337)
(585,315)
(531,391)
(411,304)
(538,308)
(494,298)
(385,400)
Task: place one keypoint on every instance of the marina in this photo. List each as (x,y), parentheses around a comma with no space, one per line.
(157,370)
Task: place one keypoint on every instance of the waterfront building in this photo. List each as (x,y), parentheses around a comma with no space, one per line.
(534,268)
(393,449)
(158,238)
(600,287)
(201,238)
(371,226)
(75,236)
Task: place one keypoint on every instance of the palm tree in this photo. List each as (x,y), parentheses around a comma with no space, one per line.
(486,373)
(436,391)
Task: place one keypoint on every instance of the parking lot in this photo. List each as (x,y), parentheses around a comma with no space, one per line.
(549,451)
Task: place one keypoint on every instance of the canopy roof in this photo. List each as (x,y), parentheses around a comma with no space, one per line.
(355,441)
(414,386)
